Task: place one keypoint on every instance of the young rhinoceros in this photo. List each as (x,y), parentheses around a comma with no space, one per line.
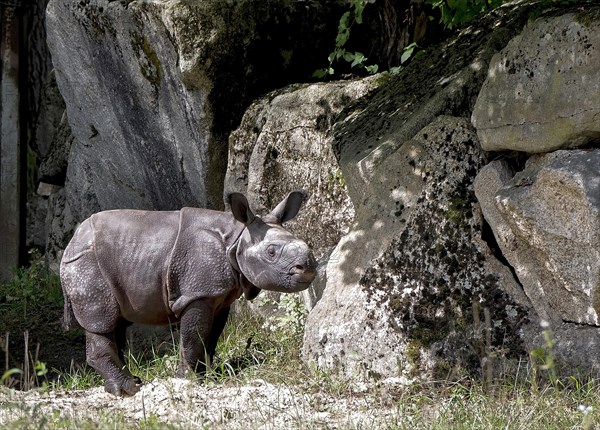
(187,266)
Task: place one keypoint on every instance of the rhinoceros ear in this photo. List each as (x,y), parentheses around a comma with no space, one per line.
(287,209)
(240,208)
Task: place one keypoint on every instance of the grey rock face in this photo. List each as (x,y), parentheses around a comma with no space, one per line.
(154,88)
(547,222)
(53,168)
(140,134)
(542,91)
(52,120)
(400,285)
(60,225)
(37,208)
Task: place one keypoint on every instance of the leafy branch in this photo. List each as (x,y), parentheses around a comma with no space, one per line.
(356,59)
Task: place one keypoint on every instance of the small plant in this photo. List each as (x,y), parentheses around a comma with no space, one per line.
(31,290)
(356,59)
(27,301)
(455,13)
(543,359)
(8,375)
(77,378)
(155,366)
(290,324)
(29,375)
(410,51)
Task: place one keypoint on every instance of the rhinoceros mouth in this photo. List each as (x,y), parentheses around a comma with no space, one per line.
(301,281)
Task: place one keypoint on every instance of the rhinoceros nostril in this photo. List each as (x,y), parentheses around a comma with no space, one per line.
(297,269)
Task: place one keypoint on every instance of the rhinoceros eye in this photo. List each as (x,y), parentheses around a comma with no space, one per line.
(271,251)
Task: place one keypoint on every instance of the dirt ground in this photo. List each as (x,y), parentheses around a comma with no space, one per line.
(47,342)
(182,403)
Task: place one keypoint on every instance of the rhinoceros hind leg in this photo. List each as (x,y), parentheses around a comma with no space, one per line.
(195,328)
(121,337)
(102,355)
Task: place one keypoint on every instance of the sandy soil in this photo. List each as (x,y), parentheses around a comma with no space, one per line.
(255,405)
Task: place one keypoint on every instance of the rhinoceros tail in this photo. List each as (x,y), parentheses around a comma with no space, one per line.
(68,315)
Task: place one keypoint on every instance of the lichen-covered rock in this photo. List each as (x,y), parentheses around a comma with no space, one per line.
(153,89)
(381,145)
(542,91)
(401,286)
(282,145)
(446,81)
(411,284)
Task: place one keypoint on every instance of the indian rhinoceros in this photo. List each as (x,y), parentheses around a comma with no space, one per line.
(186,266)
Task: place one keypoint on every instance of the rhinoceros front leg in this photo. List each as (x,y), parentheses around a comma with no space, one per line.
(217,328)
(195,328)
(102,354)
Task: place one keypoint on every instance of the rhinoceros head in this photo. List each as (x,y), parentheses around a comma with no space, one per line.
(268,255)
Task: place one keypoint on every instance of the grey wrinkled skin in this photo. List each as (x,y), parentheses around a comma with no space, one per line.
(187,266)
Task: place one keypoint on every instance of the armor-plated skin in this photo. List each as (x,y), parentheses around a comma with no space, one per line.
(186,266)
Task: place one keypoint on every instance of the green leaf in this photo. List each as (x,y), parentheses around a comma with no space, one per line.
(395,70)
(349,56)
(407,52)
(10,373)
(344,22)
(40,368)
(359,6)
(342,38)
(372,69)
(359,58)
(321,73)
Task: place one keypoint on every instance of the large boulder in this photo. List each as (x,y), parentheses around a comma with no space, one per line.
(139,138)
(409,309)
(542,91)
(546,220)
(153,88)
(400,158)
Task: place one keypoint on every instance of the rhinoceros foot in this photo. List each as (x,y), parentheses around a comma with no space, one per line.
(127,387)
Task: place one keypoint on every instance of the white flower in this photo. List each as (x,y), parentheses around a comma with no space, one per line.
(584,409)
(544,324)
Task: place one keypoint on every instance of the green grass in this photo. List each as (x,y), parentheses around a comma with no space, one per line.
(31,291)
(29,305)
(251,349)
